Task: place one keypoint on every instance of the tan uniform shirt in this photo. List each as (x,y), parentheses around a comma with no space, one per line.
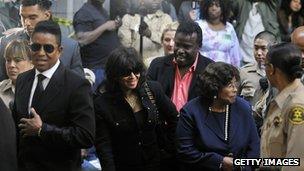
(250,87)
(129,37)
(283,128)
(7,91)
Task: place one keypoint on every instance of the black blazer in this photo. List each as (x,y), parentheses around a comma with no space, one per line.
(67,113)
(162,70)
(119,143)
(8,153)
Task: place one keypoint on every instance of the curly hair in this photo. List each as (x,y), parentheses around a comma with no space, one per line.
(120,62)
(216,76)
(204,6)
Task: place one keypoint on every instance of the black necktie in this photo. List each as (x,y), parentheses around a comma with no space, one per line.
(38,91)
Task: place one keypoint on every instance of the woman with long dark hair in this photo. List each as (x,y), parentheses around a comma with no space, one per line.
(135,120)
(290,16)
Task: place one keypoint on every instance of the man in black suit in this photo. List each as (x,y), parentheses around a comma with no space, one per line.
(8,155)
(179,72)
(53,108)
(31,12)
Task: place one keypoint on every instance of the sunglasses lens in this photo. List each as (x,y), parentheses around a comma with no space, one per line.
(48,48)
(35,47)
(137,70)
(126,73)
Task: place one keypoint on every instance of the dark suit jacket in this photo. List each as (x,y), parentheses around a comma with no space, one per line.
(8,155)
(201,140)
(66,110)
(70,56)
(162,70)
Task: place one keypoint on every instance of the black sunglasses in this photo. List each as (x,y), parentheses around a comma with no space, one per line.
(48,48)
(128,72)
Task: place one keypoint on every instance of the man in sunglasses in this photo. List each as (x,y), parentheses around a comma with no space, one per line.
(53,107)
(32,12)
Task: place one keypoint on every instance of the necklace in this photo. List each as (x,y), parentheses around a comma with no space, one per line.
(132,100)
(226,120)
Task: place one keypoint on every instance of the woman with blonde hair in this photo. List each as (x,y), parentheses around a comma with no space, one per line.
(167,38)
(17,56)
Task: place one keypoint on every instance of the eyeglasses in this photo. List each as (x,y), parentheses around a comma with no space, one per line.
(128,72)
(233,85)
(48,48)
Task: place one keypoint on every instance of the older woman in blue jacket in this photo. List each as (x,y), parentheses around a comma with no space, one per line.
(217,126)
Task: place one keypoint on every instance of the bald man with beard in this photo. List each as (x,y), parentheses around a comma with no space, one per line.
(297,37)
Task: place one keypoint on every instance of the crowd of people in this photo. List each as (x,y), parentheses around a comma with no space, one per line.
(150,89)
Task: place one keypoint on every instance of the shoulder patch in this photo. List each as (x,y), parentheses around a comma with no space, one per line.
(296,115)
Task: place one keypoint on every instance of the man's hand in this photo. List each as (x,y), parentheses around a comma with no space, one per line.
(30,127)
(112,25)
(144,29)
(227,164)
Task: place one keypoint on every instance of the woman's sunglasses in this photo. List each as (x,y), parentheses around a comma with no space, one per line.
(48,48)
(128,72)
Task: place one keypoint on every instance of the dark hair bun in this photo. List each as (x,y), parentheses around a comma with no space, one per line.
(264,83)
(296,71)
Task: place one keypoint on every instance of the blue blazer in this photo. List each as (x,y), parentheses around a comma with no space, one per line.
(201,144)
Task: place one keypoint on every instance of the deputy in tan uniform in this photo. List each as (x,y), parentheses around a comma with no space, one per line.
(252,73)
(283,127)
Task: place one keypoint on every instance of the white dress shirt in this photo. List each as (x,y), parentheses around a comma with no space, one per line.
(253,26)
(48,74)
